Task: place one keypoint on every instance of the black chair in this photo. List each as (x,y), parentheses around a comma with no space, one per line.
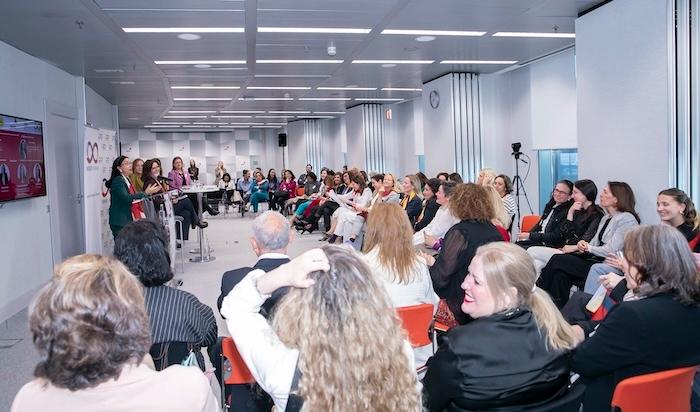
(569,401)
(170,353)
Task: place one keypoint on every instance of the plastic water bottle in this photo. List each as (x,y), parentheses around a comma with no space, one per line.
(161,215)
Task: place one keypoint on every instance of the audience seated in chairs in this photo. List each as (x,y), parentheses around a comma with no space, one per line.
(501,220)
(350,219)
(675,209)
(90,327)
(470,203)
(287,189)
(312,186)
(547,232)
(504,187)
(258,191)
(327,206)
(658,329)
(175,315)
(486,177)
(431,235)
(226,190)
(335,343)
(392,258)
(412,197)
(515,353)
(566,270)
(430,205)
(581,223)
(179,178)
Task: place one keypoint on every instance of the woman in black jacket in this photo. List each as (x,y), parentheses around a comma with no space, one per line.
(546,232)
(412,197)
(581,223)
(515,353)
(430,204)
(659,330)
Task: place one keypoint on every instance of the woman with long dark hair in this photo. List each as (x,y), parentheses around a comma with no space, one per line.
(273,184)
(566,270)
(122,208)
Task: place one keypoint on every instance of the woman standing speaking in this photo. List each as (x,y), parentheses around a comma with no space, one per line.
(122,209)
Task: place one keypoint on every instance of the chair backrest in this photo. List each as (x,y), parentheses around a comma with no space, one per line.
(694,242)
(300,190)
(417,321)
(529,221)
(239,370)
(660,391)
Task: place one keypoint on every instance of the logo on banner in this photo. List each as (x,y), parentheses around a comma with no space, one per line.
(92,152)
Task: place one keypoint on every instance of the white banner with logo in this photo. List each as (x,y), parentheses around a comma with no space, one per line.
(100,152)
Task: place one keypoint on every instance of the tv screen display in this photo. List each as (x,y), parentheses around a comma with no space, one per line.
(22,171)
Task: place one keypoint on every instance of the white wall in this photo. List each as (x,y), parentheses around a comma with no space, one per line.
(99,112)
(400,138)
(26,83)
(623,79)
(296,147)
(332,131)
(438,128)
(354,129)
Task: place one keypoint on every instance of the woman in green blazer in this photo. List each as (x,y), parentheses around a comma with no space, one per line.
(123,194)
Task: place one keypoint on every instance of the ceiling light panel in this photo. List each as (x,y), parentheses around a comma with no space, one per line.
(278,88)
(393,61)
(274,117)
(293,76)
(200,62)
(230,117)
(478,62)
(191,111)
(265,98)
(205,87)
(299,61)
(329,112)
(318,30)
(435,32)
(184,117)
(242,111)
(535,34)
(347,88)
(377,99)
(325,99)
(400,89)
(288,112)
(201,99)
(170,123)
(183,29)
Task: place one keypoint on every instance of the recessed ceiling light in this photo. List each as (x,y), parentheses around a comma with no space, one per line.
(205,87)
(202,66)
(478,62)
(288,111)
(176,10)
(376,99)
(323,30)
(199,62)
(424,39)
(133,118)
(278,88)
(317,117)
(265,98)
(329,112)
(299,61)
(301,76)
(189,36)
(192,111)
(387,65)
(109,70)
(231,117)
(241,111)
(435,32)
(534,34)
(184,117)
(393,61)
(123,83)
(274,117)
(400,89)
(201,99)
(169,123)
(183,29)
(346,88)
(325,99)
(269,127)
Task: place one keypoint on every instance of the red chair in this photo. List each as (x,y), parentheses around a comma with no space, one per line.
(528,222)
(233,369)
(694,242)
(661,391)
(300,191)
(417,321)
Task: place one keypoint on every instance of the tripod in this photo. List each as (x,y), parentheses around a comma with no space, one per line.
(519,183)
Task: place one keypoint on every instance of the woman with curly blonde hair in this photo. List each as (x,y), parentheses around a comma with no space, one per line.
(335,344)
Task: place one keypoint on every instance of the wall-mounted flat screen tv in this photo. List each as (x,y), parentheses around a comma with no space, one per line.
(22,170)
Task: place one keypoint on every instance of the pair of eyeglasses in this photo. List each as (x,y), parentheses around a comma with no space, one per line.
(560,192)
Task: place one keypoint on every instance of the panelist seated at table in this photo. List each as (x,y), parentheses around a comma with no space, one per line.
(180,177)
(181,206)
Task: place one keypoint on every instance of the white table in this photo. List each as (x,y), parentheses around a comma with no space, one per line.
(200,191)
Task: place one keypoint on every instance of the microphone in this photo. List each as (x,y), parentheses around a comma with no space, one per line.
(164,179)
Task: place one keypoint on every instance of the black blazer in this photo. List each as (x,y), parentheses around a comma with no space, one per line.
(232,277)
(552,236)
(429,210)
(413,208)
(583,227)
(450,267)
(496,361)
(635,338)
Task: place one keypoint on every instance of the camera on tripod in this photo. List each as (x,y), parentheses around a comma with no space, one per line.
(516,149)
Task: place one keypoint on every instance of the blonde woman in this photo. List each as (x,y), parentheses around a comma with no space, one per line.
(334,333)
(501,218)
(390,255)
(90,327)
(486,177)
(515,351)
(219,172)
(412,197)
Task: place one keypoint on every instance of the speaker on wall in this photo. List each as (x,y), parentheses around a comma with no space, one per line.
(282,139)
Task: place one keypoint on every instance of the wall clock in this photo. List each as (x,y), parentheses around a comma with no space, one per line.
(434,99)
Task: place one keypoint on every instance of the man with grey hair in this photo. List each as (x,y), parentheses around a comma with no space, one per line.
(271,236)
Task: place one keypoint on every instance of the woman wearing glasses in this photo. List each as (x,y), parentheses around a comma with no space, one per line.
(547,231)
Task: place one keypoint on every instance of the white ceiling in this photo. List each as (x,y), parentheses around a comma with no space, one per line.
(83,36)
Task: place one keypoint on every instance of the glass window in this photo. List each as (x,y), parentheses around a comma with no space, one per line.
(555,165)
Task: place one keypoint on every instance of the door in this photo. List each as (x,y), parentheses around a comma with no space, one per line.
(65,188)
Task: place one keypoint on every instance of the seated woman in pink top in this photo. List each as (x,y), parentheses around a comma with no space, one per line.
(180,177)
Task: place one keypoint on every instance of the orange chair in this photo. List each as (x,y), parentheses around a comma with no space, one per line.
(300,191)
(417,321)
(661,391)
(528,222)
(233,369)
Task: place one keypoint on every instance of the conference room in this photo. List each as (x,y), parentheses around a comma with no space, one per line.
(349,205)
